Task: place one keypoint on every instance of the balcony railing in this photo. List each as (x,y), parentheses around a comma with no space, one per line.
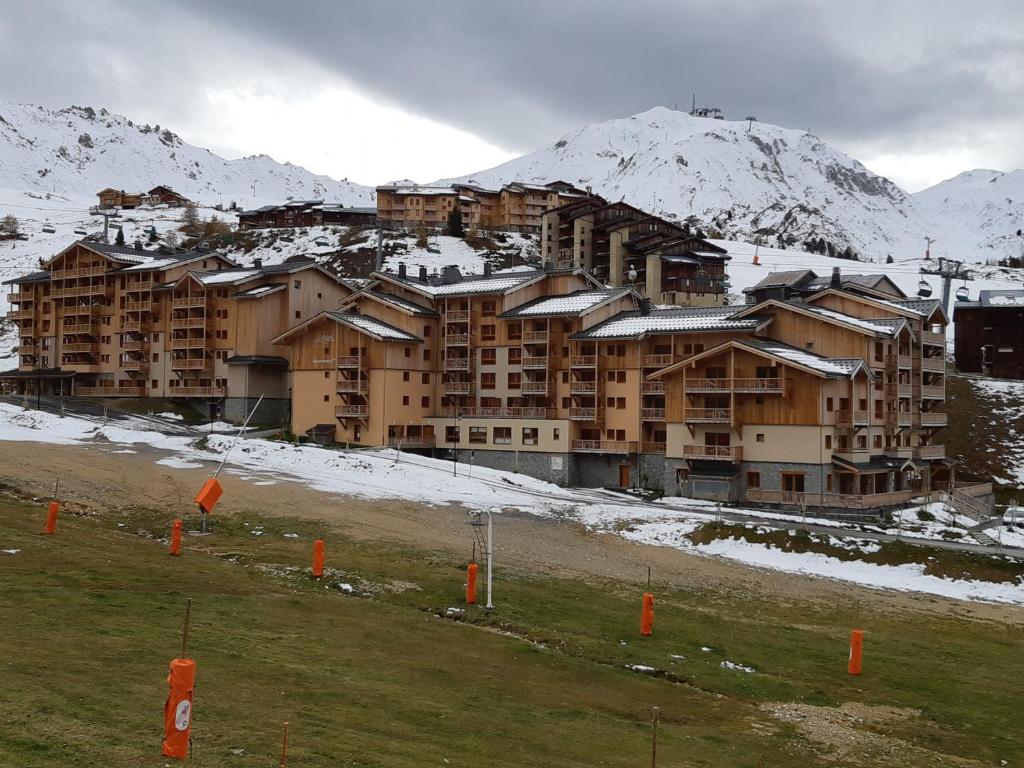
(89,347)
(933,364)
(928,452)
(604,446)
(845,418)
(456,339)
(136,326)
(649,447)
(535,362)
(717,452)
(352,411)
(191,363)
(899,418)
(898,361)
(655,361)
(20,296)
(708,415)
(81,290)
(134,345)
(71,329)
(583,387)
(135,365)
(457,387)
(652,414)
(835,500)
(653,388)
(583,414)
(899,389)
(759,386)
(137,286)
(110,391)
(63,274)
(457,316)
(189,301)
(189,343)
(80,367)
(138,306)
(471,412)
(535,337)
(456,364)
(346,386)
(27,349)
(930,337)
(348,361)
(932,419)
(708,385)
(583,361)
(188,322)
(933,391)
(534,387)
(19,314)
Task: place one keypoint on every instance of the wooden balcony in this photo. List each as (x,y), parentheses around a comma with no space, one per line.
(134,345)
(98,289)
(583,414)
(759,386)
(604,446)
(652,414)
(138,306)
(457,339)
(457,364)
(930,337)
(184,323)
(535,337)
(191,364)
(475,412)
(583,361)
(196,300)
(846,418)
(898,361)
(853,455)
(352,411)
(899,419)
(833,500)
(708,385)
(656,361)
(930,452)
(653,388)
(64,274)
(31,348)
(80,367)
(135,326)
(708,415)
(899,389)
(934,364)
(189,343)
(457,316)
(933,391)
(20,314)
(139,366)
(535,363)
(649,447)
(123,391)
(583,387)
(932,419)
(137,286)
(351,386)
(88,347)
(20,296)
(73,329)
(715,452)
(534,387)
(348,361)
(457,387)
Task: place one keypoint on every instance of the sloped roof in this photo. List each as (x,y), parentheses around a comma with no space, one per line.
(783,279)
(371,326)
(994,299)
(502,282)
(635,325)
(567,305)
(260,291)
(31,277)
(826,367)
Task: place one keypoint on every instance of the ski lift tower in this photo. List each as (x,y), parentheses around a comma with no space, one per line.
(107,214)
(949,270)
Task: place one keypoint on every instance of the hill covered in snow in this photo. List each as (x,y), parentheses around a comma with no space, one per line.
(745,180)
(77,151)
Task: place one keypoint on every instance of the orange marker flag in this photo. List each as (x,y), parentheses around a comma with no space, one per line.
(208,495)
(856,646)
(176,538)
(318,558)
(647,615)
(51,517)
(471,583)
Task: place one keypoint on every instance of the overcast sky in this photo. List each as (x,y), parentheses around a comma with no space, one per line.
(918,90)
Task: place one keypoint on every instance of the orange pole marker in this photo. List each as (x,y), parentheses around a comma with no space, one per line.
(178,708)
(471,583)
(647,615)
(208,495)
(856,646)
(176,538)
(51,517)
(756,260)
(318,558)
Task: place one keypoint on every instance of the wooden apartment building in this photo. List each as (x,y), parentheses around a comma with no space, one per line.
(835,400)
(990,334)
(622,245)
(516,207)
(305,213)
(102,320)
(160,194)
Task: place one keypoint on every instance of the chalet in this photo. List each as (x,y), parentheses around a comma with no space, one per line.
(305,213)
(118,198)
(800,283)
(167,196)
(990,334)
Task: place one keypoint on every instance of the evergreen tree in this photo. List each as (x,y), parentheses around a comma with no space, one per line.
(153,236)
(119,240)
(455,223)
(889,259)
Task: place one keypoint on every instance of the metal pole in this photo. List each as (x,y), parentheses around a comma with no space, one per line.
(654,736)
(184,631)
(284,746)
(239,437)
(490,558)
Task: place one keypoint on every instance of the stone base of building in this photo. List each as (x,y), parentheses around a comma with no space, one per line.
(273,411)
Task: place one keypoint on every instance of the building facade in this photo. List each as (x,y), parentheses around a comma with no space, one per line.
(102,320)
(831,401)
(990,334)
(305,213)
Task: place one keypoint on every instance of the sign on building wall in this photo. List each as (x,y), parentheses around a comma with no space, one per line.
(556,463)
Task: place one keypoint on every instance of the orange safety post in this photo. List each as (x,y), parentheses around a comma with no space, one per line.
(856,646)
(178,708)
(51,517)
(318,558)
(756,261)
(176,538)
(647,615)
(471,583)
(208,495)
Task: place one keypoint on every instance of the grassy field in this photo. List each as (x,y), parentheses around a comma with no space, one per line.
(91,617)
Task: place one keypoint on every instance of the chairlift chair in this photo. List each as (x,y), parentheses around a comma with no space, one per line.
(80,231)
(321,242)
(48,228)
(962,294)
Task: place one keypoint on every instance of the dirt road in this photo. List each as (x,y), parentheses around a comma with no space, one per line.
(103,476)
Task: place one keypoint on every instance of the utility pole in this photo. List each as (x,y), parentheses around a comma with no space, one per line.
(254,187)
(380,246)
(949,270)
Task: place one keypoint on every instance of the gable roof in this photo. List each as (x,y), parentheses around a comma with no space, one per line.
(877,328)
(869,300)
(794,357)
(785,279)
(636,325)
(567,305)
(498,283)
(873,282)
(398,302)
(371,326)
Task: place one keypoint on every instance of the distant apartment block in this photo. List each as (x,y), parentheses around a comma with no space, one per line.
(305,213)
(990,334)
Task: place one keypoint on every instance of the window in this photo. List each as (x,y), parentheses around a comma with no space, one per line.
(488,356)
(319,295)
(829,404)
(566,402)
(478,435)
(156,357)
(154,384)
(515,381)
(828,442)
(425,401)
(759,437)
(297,284)
(620,377)
(488,307)
(515,355)
(298,314)
(876,441)
(620,403)
(556,433)
(862,441)
(405,375)
(753,479)
(425,378)
(327,374)
(327,398)
(530,435)
(487,333)
(451,434)
(610,402)
(156,337)
(408,352)
(426,354)
(793,482)
(515,331)
(503,435)
(405,399)
(487,381)
(426,331)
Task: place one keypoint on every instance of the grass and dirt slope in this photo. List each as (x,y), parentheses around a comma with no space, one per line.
(556,675)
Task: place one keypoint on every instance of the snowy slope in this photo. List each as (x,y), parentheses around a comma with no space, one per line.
(78,151)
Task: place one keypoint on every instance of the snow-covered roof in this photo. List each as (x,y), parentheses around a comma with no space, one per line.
(575,303)
(415,190)
(634,325)
(885,327)
(225,276)
(399,301)
(830,366)
(782,279)
(374,327)
(465,286)
(995,299)
(260,291)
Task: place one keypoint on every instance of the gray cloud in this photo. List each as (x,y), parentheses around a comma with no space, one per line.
(889,75)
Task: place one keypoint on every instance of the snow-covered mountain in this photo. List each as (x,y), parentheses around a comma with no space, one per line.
(77,151)
(745,179)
